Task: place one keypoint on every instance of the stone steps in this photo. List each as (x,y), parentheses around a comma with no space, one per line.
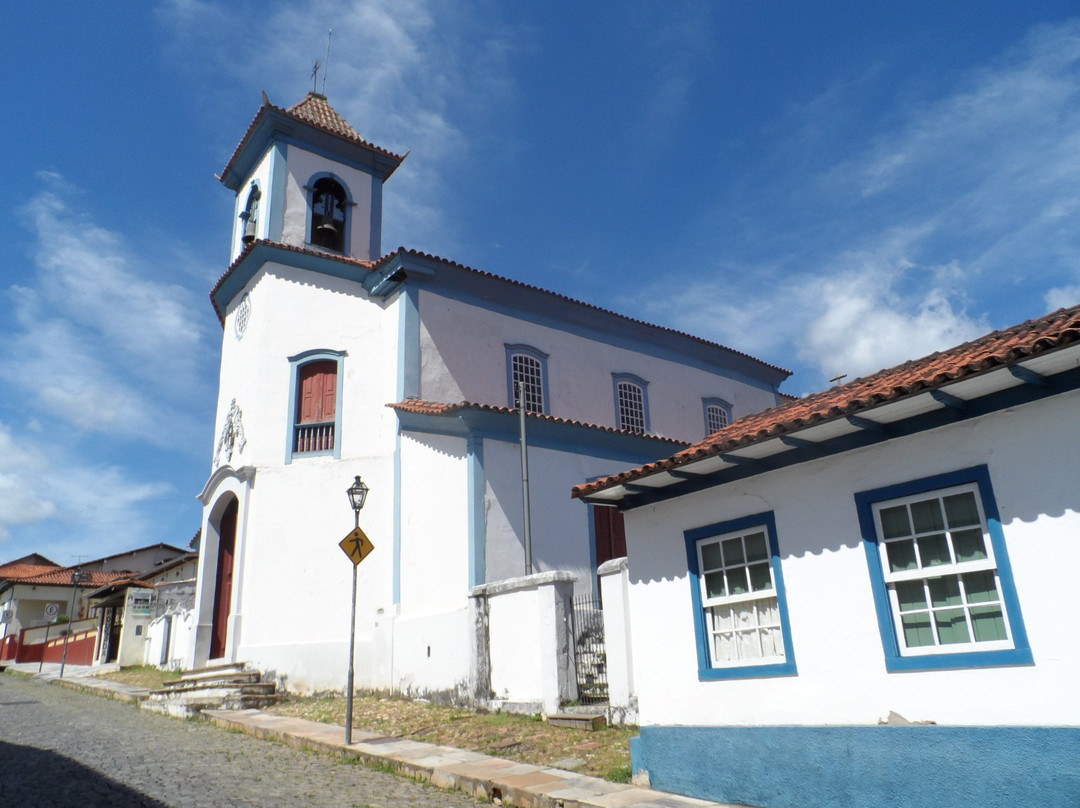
(219,687)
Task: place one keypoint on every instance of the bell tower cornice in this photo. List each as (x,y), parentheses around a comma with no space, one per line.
(314,124)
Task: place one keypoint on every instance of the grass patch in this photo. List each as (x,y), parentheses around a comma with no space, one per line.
(142,676)
(526,739)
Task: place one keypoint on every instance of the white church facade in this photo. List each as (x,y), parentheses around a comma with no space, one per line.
(339,361)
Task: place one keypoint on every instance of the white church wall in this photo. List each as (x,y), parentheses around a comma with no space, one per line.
(842,678)
(464,358)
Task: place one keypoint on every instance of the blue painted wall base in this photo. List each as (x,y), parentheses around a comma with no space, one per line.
(899,767)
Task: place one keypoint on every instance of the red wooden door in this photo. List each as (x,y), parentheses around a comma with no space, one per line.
(223,586)
(610,534)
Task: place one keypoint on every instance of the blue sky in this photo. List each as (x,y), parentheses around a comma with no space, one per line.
(833,187)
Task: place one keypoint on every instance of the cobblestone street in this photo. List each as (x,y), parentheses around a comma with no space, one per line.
(60,748)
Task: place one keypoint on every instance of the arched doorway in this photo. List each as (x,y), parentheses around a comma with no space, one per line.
(224,580)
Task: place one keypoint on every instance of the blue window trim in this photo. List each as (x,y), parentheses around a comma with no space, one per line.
(1020,654)
(538,355)
(714,402)
(346,242)
(295,363)
(616,378)
(705,670)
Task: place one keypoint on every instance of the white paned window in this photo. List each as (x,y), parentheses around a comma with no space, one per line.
(527,374)
(939,568)
(739,596)
(716,417)
(631,406)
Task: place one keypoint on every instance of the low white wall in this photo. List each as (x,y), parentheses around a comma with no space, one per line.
(529,642)
(618,645)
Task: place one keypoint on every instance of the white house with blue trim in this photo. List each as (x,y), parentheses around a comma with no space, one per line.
(339,361)
(863,597)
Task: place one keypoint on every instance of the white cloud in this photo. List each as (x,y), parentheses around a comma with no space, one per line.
(99,340)
(1062,297)
(21,501)
(405,73)
(912,239)
(863,326)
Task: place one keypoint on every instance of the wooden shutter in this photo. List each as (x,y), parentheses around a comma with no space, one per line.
(318,392)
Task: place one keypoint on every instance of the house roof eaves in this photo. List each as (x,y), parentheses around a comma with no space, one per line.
(436,409)
(860,399)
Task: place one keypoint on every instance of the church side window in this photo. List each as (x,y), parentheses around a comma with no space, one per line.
(631,403)
(315,405)
(329,205)
(526,371)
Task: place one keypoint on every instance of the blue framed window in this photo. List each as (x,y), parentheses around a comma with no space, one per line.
(328,209)
(527,367)
(314,404)
(717,414)
(940,573)
(740,606)
(631,402)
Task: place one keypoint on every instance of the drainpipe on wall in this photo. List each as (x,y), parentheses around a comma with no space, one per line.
(525,478)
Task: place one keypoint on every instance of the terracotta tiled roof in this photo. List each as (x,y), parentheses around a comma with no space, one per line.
(999,349)
(62,577)
(20,571)
(315,111)
(483,273)
(341,259)
(438,408)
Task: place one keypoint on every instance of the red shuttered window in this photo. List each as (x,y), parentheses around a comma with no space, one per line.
(316,407)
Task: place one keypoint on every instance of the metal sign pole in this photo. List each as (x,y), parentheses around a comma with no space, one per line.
(352,651)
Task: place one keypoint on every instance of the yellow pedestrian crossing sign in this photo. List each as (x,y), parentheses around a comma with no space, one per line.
(357,546)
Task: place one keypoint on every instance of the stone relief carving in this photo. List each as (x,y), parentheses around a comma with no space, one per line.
(232,435)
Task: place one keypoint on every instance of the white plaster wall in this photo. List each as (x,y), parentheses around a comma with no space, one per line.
(292,609)
(433,651)
(514,632)
(302,165)
(434,522)
(841,671)
(463,357)
(560,525)
(293,311)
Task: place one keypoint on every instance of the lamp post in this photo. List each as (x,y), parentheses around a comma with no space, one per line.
(357,494)
(77,577)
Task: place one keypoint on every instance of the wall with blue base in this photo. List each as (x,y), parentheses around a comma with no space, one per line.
(899,767)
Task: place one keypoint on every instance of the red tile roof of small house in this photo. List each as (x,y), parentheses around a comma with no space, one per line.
(62,577)
(14,571)
(438,408)
(995,350)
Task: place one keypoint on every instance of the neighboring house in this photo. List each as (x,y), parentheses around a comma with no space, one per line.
(898,549)
(35,594)
(129,607)
(338,361)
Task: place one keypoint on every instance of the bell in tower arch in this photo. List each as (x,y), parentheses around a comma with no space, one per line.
(328,205)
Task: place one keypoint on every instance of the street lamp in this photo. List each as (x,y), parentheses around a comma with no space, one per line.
(357,494)
(77,577)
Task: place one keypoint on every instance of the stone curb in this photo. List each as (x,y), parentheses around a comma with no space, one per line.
(110,690)
(482,776)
